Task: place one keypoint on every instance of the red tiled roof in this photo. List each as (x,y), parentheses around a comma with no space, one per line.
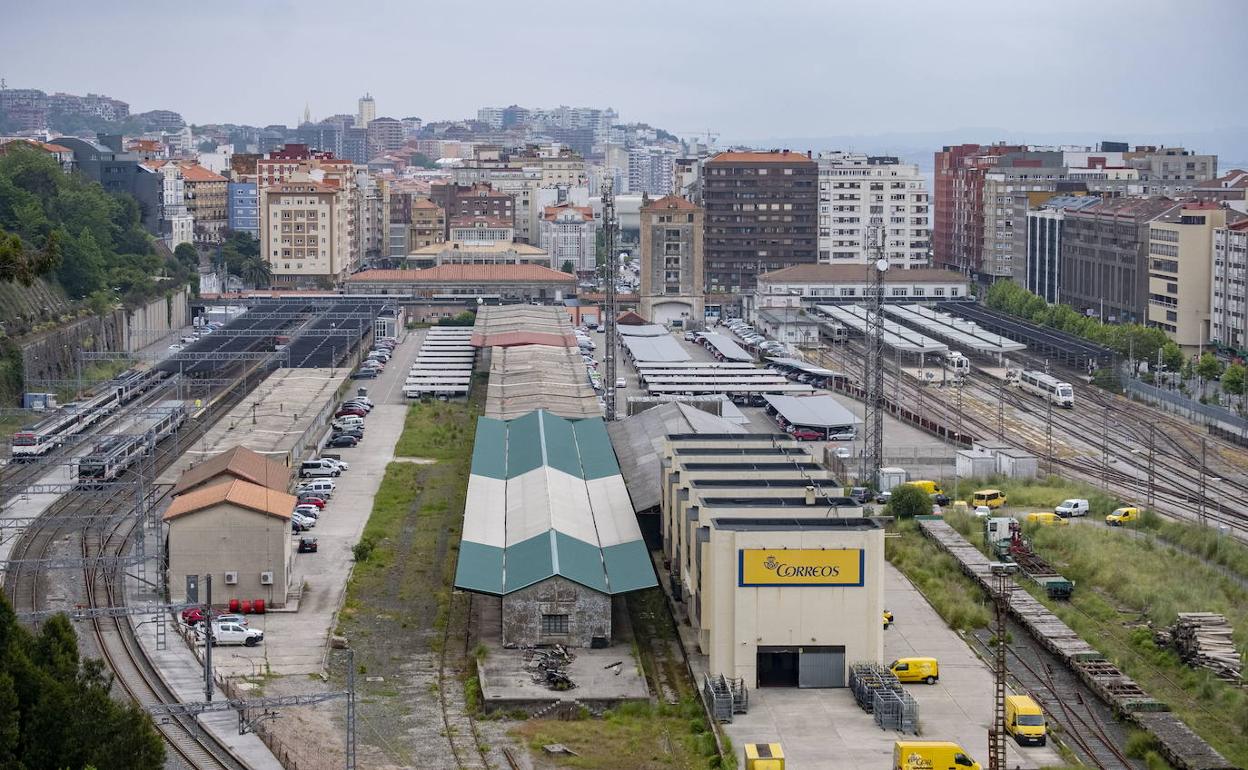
(193,172)
(671,202)
(550,212)
(512,339)
(785,156)
(464,273)
(241,493)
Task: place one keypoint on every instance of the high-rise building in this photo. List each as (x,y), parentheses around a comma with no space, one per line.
(384,135)
(306,232)
(177,226)
(355,145)
(1229,302)
(367,111)
(1180,251)
(958,221)
(207,194)
(672,261)
(491,116)
(760,215)
(568,233)
(1042,272)
(1104,270)
(24,109)
(651,170)
(244,207)
(858,193)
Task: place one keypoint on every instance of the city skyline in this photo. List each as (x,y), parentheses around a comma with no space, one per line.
(877,82)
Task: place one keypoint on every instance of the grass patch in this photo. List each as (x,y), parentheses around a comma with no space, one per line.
(391,506)
(953,595)
(1041,494)
(1124,583)
(634,736)
(1204,542)
(437,429)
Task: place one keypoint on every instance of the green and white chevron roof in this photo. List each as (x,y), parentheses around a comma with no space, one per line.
(546,498)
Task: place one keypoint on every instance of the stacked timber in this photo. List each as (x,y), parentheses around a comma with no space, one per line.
(1204,639)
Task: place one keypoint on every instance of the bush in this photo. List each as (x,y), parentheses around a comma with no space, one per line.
(363,549)
(908,501)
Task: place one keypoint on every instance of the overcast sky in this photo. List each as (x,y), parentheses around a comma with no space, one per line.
(757,69)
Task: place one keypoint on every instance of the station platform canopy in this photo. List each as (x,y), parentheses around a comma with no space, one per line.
(895,335)
(642,365)
(644,348)
(813,411)
(643,330)
(702,388)
(800,365)
(727,348)
(959,331)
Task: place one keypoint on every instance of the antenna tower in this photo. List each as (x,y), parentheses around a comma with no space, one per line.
(873,364)
(611,272)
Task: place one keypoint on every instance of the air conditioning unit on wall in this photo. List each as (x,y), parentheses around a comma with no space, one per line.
(231,578)
(266,578)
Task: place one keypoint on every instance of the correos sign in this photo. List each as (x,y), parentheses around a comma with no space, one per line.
(800,567)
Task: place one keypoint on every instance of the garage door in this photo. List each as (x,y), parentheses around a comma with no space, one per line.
(821,667)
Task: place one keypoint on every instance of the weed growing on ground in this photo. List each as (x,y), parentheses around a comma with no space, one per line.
(953,595)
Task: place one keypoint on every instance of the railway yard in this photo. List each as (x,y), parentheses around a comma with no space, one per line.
(84,493)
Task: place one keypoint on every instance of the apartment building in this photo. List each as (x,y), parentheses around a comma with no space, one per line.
(1104,264)
(1229,302)
(859,193)
(1171,171)
(384,135)
(760,216)
(427,224)
(473,200)
(207,200)
(177,225)
(244,207)
(673,261)
(480,229)
(1180,247)
(366,112)
(569,232)
(1042,267)
(958,220)
(651,170)
(306,232)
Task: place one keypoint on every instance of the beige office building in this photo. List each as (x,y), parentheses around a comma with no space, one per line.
(306,232)
(1180,243)
(673,267)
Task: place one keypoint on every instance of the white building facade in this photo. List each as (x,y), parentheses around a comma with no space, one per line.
(651,170)
(177,226)
(568,233)
(859,192)
(1228,322)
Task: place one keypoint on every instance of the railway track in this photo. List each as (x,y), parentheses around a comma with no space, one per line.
(475,756)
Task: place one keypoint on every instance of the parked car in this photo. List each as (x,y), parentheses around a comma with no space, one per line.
(844,452)
(860,494)
(317,468)
(296,527)
(690,336)
(307,522)
(341,441)
(883,497)
(343,465)
(310,511)
(368,407)
(307,545)
(982,511)
(233,633)
(1072,507)
(807,434)
(364,374)
(355,431)
(311,500)
(352,411)
(320,487)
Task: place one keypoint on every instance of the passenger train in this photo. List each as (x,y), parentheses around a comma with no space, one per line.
(111,457)
(1043,385)
(74,418)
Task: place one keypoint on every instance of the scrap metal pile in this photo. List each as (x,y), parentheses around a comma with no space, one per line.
(550,666)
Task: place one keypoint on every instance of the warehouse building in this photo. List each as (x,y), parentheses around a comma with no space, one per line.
(779,576)
(549,530)
(231,519)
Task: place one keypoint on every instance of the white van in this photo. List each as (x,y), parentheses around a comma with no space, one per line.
(318,468)
(348,419)
(322,487)
(1075,506)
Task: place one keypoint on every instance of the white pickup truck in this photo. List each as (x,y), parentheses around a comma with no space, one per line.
(1073,507)
(236,633)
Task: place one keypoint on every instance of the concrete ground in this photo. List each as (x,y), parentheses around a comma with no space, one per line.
(826,730)
(504,676)
(296,642)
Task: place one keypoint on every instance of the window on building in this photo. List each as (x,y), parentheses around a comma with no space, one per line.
(554,625)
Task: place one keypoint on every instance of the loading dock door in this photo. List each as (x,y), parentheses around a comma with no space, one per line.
(821,667)
(778,666)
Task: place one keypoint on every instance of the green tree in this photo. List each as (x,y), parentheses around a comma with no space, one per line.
(908,500)
(186,254)
(568,267)
(1233,380)
(1171,356)
(1208,368)
(256,272)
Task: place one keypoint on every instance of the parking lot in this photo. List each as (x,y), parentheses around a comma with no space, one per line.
(296,642)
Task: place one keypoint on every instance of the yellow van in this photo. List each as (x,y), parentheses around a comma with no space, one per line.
(930,487)
(993,498)
(916,669)
(931,755)
(1024,719)
(1122,516)
(1046,519)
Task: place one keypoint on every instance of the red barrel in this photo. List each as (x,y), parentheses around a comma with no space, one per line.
(246,606)
(258,604)
(233,605)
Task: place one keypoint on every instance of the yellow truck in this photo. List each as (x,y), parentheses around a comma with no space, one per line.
(764,756)
(1024,719)
(916,670)
(931,755)
(1122,516)
(1046,518)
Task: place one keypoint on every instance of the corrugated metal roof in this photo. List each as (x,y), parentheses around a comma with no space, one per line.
(545,498)
(644,330)
(655,349)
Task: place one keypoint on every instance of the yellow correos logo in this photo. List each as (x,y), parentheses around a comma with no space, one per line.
(800,567)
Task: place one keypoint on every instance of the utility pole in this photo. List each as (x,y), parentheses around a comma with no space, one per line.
(1001,409)
(873,365)
(1048,429)
(1151,427)
(350,709)
(208,637)
(1105,449)
(610,226)
(1002,583)
(1201,493)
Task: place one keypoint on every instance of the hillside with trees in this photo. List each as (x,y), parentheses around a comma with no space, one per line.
(66,230)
